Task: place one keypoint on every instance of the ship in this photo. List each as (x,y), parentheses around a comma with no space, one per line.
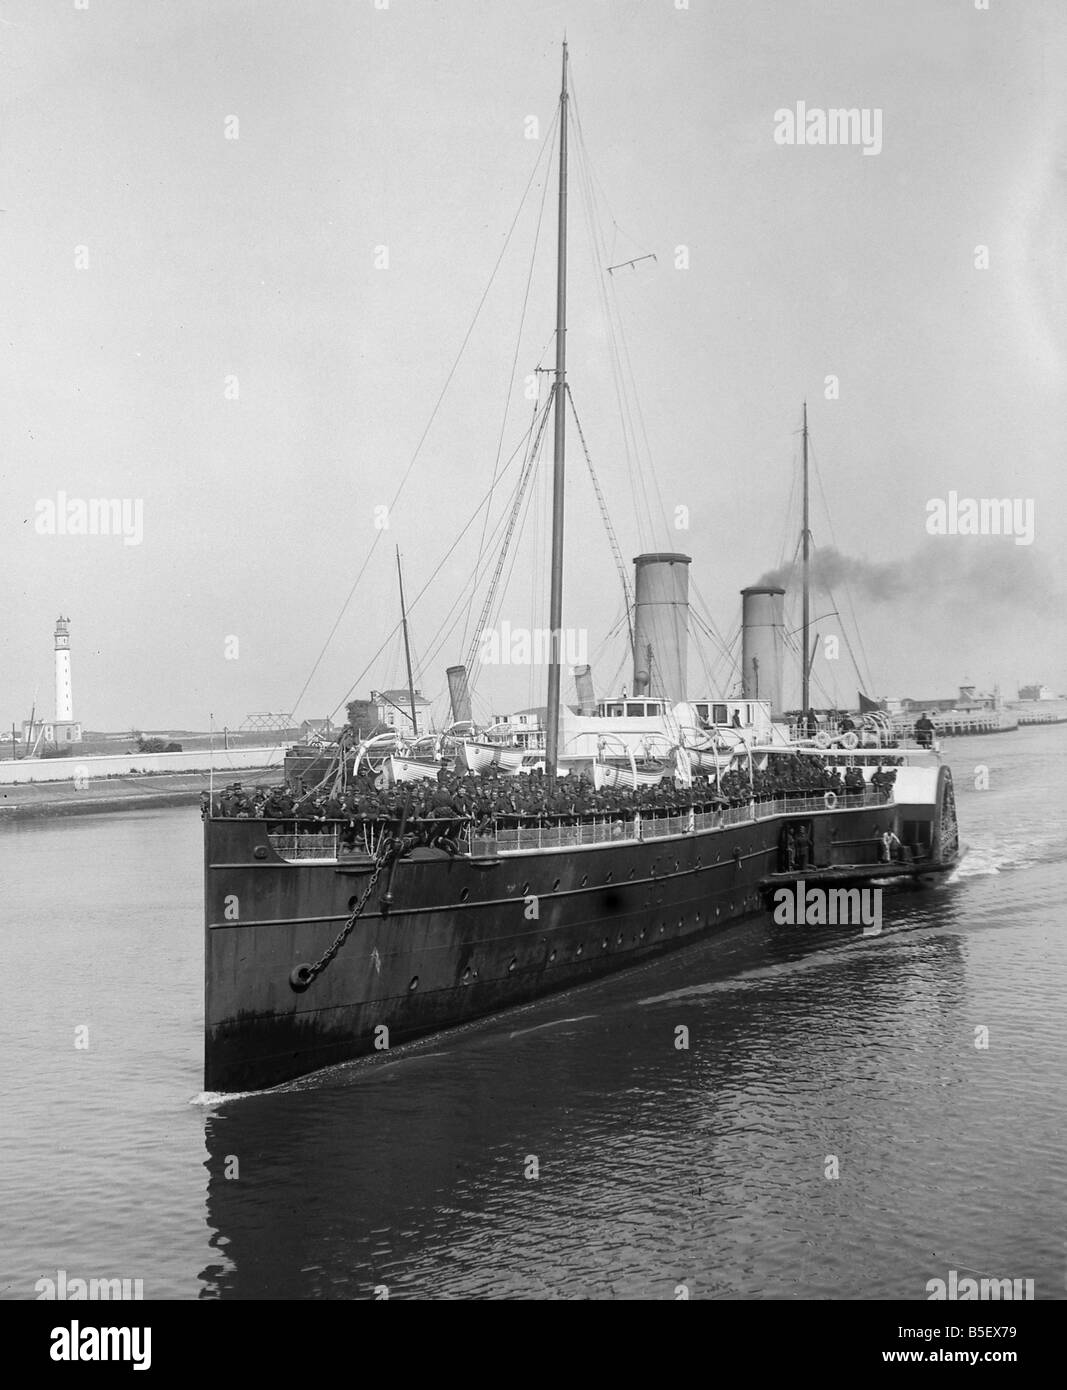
(321,948)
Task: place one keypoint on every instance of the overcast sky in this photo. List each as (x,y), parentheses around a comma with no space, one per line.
(202,325)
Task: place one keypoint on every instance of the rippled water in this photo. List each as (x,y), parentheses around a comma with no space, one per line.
(655,1166)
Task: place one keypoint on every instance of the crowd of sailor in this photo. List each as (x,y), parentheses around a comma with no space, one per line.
(495,798)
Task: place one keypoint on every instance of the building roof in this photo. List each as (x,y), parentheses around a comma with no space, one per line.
(399,697)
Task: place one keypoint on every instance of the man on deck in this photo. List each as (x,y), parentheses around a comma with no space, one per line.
(924,731)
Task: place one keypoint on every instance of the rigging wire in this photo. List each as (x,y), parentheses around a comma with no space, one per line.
(624,389)
(411,606)
(474,578)
(549,138)
(527,471)
(429,423)
(705,619)
(627,594)
(848,588)
(520,529)
(591,188)
(616,681)
(607,640)
(794,488)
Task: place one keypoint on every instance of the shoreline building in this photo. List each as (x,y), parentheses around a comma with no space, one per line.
(1037,692)
(394,708)
(968,701)
(64,728)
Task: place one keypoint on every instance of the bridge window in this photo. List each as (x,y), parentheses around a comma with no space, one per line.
(719,715)
(634,711)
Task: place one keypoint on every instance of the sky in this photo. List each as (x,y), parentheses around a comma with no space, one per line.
(246,240)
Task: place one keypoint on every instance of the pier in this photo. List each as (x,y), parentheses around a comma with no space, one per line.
(951,724)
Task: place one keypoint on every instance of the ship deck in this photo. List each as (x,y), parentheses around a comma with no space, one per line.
(324,843)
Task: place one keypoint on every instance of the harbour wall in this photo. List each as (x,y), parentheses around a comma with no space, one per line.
(77,770)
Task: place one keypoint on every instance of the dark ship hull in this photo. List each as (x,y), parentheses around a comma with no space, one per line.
(473,934)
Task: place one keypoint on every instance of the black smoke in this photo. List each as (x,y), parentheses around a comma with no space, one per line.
(989,571)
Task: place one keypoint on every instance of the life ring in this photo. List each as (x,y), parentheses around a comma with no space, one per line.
(822,739)
(849,739)
(831,800)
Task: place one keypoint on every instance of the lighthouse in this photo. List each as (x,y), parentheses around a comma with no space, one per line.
(64,695)
(64,728)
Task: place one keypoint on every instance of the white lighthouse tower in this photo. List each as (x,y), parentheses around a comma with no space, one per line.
(64,694)
(64,728)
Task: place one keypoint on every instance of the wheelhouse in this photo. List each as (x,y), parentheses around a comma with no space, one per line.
(631,709)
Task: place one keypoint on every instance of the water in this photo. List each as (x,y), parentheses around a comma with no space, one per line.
(655,1166)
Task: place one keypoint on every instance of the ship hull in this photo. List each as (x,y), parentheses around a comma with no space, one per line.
(465,936)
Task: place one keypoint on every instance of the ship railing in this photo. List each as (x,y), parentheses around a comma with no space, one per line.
(818,801)
(550,832)
(307,844)
(327,839)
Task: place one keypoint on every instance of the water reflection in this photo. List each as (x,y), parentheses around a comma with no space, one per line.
(655,1164)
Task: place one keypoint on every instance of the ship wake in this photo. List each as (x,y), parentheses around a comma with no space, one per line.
(996,856)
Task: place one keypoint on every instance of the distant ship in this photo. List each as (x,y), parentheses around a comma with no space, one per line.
(314,955)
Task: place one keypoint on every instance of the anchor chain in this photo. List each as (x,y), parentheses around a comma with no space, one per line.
(301,976)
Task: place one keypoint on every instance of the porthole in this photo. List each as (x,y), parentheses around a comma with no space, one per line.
(467,976)
(414,983)
(620,938)
(464,895)
(610,876)
(662,928)
(642,933)
(512,963)
(525,889)
(579,951)
(604,944)
(352,902)
(585,880)
(551,957)
(632,872)
(555,885)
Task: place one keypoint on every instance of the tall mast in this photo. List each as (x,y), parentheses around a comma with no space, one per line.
(407,648)
(805,695)
(555,618)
